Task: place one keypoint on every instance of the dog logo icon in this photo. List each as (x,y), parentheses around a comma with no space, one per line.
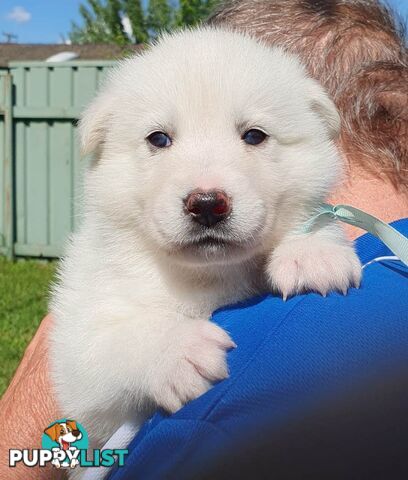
(64,437)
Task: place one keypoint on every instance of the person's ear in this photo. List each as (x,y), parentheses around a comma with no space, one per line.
(325,109)
(94,123)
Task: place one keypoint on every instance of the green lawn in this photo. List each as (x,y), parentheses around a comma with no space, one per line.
(23,303)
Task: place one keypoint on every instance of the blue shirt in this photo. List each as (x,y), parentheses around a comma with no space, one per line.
(290,355)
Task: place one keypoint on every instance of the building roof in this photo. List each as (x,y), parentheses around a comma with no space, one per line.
(11,52)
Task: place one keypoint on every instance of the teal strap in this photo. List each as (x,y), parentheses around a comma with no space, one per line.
(394,240)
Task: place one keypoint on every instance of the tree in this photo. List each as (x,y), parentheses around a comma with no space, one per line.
(114,22)
(134,11)
(102,23)
(190,12)
(93,30)
(159,17)
(102,20)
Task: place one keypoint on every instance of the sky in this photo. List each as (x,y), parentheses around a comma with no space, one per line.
(48,21)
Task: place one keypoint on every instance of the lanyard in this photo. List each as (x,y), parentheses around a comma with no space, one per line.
(394,240)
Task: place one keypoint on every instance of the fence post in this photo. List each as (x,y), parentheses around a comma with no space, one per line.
(8,167)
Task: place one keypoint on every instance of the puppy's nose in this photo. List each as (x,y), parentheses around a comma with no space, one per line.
(208,207)
(76,433)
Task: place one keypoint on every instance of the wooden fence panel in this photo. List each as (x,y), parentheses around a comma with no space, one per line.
(46,165)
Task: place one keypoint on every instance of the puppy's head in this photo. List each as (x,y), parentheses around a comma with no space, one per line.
(205,142)
(65,431)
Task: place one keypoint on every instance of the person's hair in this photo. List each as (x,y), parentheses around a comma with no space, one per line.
(357,49)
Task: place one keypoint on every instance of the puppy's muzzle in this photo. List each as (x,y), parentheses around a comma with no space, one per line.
(208,207)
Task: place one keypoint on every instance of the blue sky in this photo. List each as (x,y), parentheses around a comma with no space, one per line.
(44,21)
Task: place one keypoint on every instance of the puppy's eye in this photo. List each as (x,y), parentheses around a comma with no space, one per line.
(159,139)
(254,136)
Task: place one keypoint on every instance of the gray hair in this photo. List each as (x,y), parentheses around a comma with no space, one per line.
(357,49)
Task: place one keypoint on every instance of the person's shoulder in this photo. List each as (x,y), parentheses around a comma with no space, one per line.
(295,345)
(288,355)
(384,289)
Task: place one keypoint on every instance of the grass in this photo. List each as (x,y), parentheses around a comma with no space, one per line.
(23,303)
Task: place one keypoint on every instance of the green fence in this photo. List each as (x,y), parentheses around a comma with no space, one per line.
(40,165)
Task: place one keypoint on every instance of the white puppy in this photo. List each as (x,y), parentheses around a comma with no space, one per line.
(211,150)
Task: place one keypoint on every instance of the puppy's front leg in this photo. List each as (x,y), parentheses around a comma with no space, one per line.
(190,358)
(320,261)
(139,358)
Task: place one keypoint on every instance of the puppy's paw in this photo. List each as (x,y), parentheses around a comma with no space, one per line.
(195,358)
(313,264)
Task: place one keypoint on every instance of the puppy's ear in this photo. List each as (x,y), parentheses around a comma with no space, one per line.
(53,431)
(94,123)
(72,424)
(325,108)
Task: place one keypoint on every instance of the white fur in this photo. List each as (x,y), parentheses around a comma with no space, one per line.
(133,299)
